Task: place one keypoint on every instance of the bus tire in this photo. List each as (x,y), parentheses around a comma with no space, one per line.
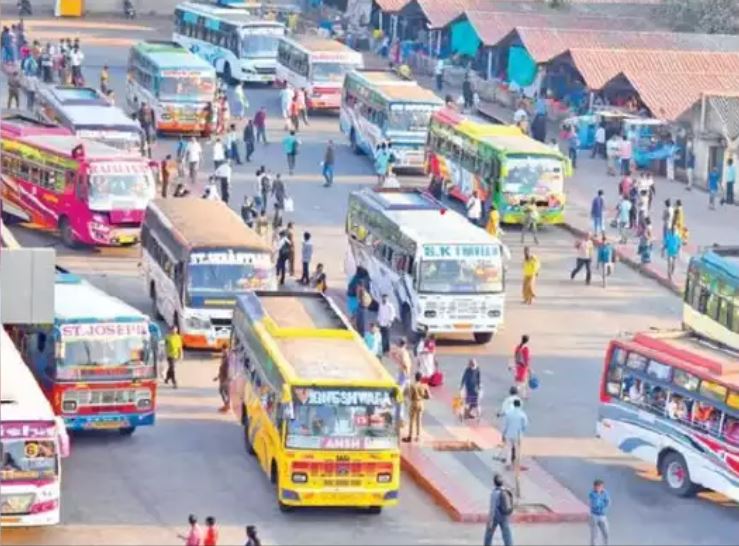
(676,476)
(154,305)
(247,440)
(483,337)
(353,142)
(65,231)
(126,431)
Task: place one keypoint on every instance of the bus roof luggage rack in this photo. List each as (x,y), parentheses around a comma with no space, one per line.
(403,199)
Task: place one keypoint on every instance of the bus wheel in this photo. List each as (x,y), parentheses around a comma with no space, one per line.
(676,475)
(353,141)
(374,510)
(247,441)
(126,431)
(483,337)
(65,230)
(154,307)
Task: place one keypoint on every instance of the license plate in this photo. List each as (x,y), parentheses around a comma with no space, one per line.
(125,239)
(463,326)
(107,424)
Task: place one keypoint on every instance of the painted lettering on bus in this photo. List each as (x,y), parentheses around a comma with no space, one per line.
(99,329)
(27,430)
(456,252)
(229,257)
(344,397)
(118,168)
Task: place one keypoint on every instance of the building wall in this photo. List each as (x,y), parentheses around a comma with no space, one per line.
(704,141)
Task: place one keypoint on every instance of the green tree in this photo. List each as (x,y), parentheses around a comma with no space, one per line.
(711,16)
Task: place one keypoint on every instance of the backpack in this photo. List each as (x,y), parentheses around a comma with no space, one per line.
(505,502)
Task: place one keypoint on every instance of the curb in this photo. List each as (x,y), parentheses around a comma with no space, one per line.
(628,258)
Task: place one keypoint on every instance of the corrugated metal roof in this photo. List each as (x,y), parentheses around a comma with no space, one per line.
(727,108)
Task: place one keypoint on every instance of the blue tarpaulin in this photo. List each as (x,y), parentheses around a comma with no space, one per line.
(464,39)
(521,67)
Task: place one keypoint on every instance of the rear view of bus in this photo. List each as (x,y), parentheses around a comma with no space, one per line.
(319,411)
(31,444)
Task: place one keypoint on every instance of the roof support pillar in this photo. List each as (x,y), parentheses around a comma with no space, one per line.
(490,64)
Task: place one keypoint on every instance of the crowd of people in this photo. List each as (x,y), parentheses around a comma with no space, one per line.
(195,535)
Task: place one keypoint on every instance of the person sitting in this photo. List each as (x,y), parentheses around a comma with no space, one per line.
(702,414)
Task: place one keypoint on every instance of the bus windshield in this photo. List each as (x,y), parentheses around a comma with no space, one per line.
(105,188)
(534,176)
(343,419)
(259,45)
(196,87)
(26,459)
(410,117)
(467,276)
(230,277)
(106,357)
(330,71)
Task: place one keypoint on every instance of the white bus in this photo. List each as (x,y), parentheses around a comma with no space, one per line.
(444,274)
(379,106)
(240,46)
(32,442)
(197,256)
(85,112)
(317,65)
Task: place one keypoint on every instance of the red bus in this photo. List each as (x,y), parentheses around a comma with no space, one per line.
(92,193)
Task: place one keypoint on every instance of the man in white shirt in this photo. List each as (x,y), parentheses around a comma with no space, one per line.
(584,257)
(439,74)
(286,97)
(76,57)
(219,153)
(211,190)
(507,404)
(193,153)
(474,209)
(223,176)
(520,115)
(599,147)
(386,315)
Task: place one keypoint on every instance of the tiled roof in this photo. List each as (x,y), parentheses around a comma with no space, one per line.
(391,6)
(441,12)
(727,108)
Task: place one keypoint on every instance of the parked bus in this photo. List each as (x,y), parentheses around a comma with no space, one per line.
(504,166)
(92,193)
(379,107)
(97,363)
(240,46)
(319,411)
(672,399)
(32,442)
(711,302)
(88,114)
(197,256)
(444,274)
(177,84)
(317,65)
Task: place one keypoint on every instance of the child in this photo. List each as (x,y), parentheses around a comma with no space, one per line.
(211,532)
(319,279)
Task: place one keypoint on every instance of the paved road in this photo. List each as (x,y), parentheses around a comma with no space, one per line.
(140,489)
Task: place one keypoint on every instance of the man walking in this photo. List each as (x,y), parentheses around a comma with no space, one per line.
(597,208)
(474,209)
(419,392)
(193,153)
(166,168)
(730,176)
(328,164)
(672,250)
(223,175)
(14,90)
(249,140)
(306,254)
(290,147)
(599,501)
(219,153)
(689,165)
(714,185)
(223,383)
(668,214)
(599,147)
(531,267)
(260,123)
(584,257)
(385,317)
(439,74)
(232,144)
(280,194)
(530,220)
(173,345)
(624,218)
(515,423)
(501,508)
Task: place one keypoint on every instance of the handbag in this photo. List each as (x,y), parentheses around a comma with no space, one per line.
(289,204)
(533,382)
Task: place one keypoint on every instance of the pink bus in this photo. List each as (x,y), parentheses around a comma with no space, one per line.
(92,193)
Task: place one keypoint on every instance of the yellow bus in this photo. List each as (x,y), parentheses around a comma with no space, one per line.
(319,411)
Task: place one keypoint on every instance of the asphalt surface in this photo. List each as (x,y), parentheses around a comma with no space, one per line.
(139,490)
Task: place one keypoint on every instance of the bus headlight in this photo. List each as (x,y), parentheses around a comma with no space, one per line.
(300,477)
(69,406)
(384,478)
(143,403)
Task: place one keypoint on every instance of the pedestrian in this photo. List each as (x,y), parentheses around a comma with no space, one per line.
(280,194)
(573,143)
(474,209)
(678,219)
(584,257)
(105,80)
(301,100)
(471,389)
(493,224)
(210,117)
(644,248)
(283,254)
(522,367)
(600,502)
(29,69)
(180,156)
(530,220)
(531,267)
(194,536)
(467,92)
(501,508)
(402,358)
(260,123)
(232,144)
(668,215)
(507,404)
(211,532)
(364,300)
(672,246)
(248,211)
(219,153)
(14,89)
(730,177)
(319,279)
(439,74)
(426,356)
(605,258)
(290,147)
(418,393)
(290,233)
(286,99)
(623,218)
(223,382)
(166,169)
(515,423)
(386,315)
(625,153)
(328,164)
(597,209)
(173,346)
(242,103)
(306,255)
(714,185)
(382,162)
(76,58)
(249,140)
(223,175)
(193,153)
(689,165)
(47,65)
(251,536)
(294,124)
(599,146)
(264,181)
(373,340)
(210,192)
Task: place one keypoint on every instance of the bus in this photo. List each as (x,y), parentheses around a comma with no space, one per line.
(92,193)
(505,167)
(379,107)
(88,114)
(671,399)
(241,47)
(32,443)
(197,255)
(317,65)
(318,409)
(177,84)
(444,274)
(97,363)
(711,299)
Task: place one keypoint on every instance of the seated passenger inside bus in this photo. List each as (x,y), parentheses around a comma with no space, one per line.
(705,416)
(677,408)
(731,431)
(656,398)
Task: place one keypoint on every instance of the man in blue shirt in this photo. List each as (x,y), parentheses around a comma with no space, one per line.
(596,213)
(599,501)
(498,515)
(730,180)
(714,185)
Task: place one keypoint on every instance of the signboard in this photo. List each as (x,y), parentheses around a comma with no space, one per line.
(346,443)
(105,329)
(343,397)
(460,252)
(230,257)
(27,430)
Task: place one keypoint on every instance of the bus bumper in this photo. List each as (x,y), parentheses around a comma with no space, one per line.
(49,517)
(203,341)
(331,498)
(181,127)
(108,422)
(104,235)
